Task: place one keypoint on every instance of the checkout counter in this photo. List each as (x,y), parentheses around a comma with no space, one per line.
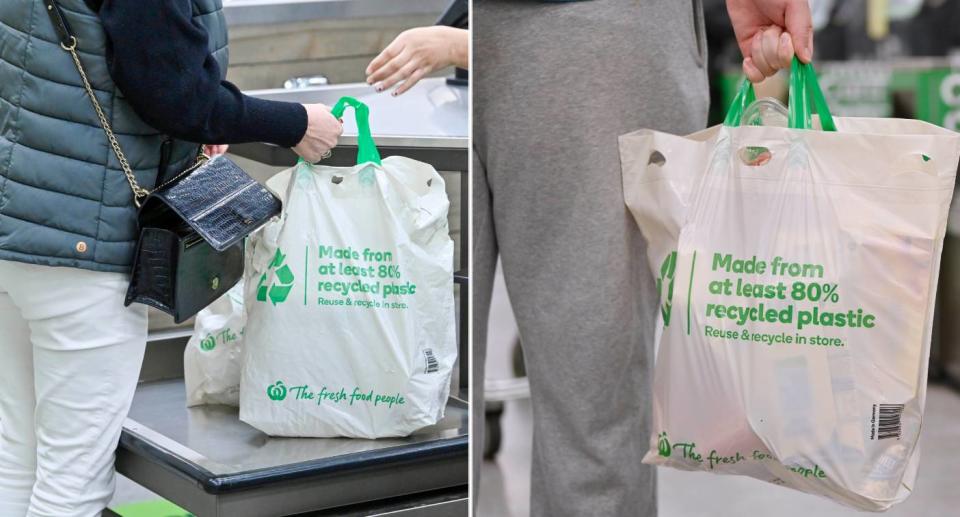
(211,464)
(268,12)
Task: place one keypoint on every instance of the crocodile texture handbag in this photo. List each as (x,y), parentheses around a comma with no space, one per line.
(190,250)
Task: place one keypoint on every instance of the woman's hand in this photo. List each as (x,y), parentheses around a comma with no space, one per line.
(416,53)
(323,131)
(770,33)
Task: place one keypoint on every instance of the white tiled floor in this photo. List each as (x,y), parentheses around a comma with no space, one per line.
(504,489)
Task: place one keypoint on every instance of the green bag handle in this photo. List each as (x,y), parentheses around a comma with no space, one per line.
(366,148)
(804,91)
(745,97)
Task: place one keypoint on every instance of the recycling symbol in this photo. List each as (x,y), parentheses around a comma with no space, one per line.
(280,290)
(665,286)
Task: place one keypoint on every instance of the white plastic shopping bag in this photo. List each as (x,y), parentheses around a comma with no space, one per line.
(798,270)
(350,299)
(212,359)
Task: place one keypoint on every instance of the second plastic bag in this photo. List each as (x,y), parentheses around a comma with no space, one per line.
(350,300)
(798,270)
(212,358)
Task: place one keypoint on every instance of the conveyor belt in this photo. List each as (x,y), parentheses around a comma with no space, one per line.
(210,463)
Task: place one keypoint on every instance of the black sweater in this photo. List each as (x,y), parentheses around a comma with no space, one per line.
(158,58)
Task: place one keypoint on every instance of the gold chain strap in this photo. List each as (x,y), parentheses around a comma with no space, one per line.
(138,192)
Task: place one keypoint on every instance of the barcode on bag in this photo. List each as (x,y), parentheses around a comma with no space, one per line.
(887,421)
(433,366)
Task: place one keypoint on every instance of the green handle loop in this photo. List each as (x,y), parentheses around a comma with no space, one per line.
(366,147)
(745,97)
(804,91)
(819,101)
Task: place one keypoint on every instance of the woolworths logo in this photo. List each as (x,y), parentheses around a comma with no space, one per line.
(277,392)
(663,446)
(665,281)
(208,343)
(283,281)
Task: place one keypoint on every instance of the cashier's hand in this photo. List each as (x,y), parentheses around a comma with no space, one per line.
(416,53)
(323,131)
(770,33)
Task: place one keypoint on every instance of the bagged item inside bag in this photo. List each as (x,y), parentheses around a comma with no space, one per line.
(212,359)
(798,269)
(352,295)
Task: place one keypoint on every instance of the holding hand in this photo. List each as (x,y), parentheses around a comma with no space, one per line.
(770,33)
(416,53)
(323,131)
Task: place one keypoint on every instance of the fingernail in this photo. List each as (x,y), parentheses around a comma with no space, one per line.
(395,93)
(378,87)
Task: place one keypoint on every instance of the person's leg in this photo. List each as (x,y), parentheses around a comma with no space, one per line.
(484,268)
(555,85)
(18,443)
(88,350)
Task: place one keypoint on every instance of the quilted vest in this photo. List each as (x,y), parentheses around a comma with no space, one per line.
(64,200)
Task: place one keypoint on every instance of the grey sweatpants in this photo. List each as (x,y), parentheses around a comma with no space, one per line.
(555,84)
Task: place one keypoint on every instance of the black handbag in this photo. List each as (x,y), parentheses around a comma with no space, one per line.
(190,250)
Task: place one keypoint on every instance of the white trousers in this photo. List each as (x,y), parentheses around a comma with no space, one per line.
(70,357)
